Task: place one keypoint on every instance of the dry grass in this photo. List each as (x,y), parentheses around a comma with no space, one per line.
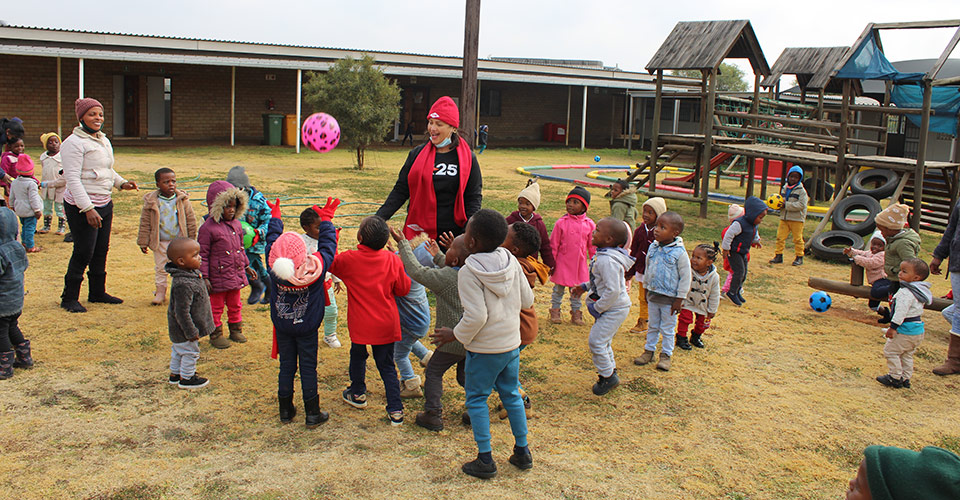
(779,405)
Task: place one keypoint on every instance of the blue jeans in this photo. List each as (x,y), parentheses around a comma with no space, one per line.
(483,373)
(601,339)
(29,228)
(291,349)
(383,357)
(409,342)
(662,324)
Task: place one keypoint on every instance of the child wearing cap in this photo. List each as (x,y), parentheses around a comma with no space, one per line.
(26,202)
(792,216)
(572,248)
(872,262)
(642,238)
(902,243)
(527,203)
(891,473)
(52,183)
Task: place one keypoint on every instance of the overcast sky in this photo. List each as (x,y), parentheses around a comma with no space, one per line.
(622,33)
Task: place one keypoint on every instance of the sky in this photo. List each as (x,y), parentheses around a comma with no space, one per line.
(623,33)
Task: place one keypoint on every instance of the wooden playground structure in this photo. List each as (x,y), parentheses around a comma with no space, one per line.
(817,135)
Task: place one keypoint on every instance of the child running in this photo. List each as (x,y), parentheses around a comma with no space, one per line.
(374,278)
(642,238)
(189,316)
(906,323)
(739,236)
(701,303)
(572,249)
(223,264)
(296,300)
(872,263)
(14,349)
(52,183)
(733,212)
(167,214)
(608,301)
(792,216)
(310,223)
(667,281)
(493,290)
(25,201)
(902,243)
(527,203)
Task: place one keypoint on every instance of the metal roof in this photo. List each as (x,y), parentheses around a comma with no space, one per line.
(705,44)
(811,66)
(46,42)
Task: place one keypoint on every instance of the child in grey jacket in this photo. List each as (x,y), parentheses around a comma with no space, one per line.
(703,299)
(607,301)
(189,316)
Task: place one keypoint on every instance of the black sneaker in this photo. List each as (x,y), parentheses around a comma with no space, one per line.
(740,296)
(683,343)
(735,298)
(477,468)
(354,400)
(884,315)
(696,341)
(905,383)
(174,379)
(606,384)
(889,381)
(193,382)
(798,261)
(522,460)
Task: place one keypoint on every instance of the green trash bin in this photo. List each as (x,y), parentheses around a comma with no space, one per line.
(272,129)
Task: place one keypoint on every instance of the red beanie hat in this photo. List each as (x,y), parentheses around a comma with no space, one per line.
(287,253)
(446,111)
(83,105)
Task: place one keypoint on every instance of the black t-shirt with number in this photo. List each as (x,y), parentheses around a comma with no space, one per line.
(446,183)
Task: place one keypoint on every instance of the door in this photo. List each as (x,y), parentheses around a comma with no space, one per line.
(131,106)
(158,106)
(417,106)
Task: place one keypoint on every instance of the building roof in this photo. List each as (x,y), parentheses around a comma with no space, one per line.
(705,44)
(811,66)
(46,42)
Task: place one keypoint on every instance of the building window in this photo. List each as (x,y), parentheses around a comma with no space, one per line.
(490,102)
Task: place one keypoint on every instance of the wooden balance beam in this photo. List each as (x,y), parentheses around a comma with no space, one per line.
(856,288)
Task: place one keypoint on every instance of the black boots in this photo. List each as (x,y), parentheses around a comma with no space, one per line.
(23,358)
(256,291)
(46,225)
(69,299)
(430,420)
(798,261)
(683,343)
(287,410)
(695,340)
(6,365)
(777,259)
(884,315)
(265,280)
(96,292)
(315,417)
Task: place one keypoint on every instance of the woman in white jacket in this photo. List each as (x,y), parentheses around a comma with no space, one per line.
(87,157)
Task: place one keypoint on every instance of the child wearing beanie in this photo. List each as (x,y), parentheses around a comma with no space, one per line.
(891,473)
(52,183)
(572,248)
(792,216)
(871,261)
(528,201)
(902,243)
(642,238)
(733,212)
(25,201)
(297,298)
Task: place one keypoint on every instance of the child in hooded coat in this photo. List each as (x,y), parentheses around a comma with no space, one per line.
(742,234)
(792,216)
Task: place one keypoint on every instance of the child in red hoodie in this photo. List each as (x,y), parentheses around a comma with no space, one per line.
(373,278)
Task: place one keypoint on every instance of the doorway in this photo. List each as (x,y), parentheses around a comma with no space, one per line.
(135,117)
(415,107)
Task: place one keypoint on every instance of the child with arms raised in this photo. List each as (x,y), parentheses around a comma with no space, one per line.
(527,203)
(166,215)
(374,278)
(872,263)
(642,238)
(701,303)
(572,250)
(310,223)
(189,316)
(493,290)
(742,234)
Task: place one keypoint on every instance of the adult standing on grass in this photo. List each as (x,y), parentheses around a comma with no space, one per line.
(87,157)
(441,179)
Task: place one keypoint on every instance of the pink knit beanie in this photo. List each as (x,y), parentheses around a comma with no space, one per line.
(83,105)
(25,165)
(287,254)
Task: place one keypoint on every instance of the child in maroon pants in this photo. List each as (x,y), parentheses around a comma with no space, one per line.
(703,298)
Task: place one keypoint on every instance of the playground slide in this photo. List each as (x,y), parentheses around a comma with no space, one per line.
(715,162)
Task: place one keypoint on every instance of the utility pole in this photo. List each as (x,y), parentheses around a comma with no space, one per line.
(468,89)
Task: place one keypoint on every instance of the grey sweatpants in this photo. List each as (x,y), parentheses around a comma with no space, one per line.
(183,358)
(601,338)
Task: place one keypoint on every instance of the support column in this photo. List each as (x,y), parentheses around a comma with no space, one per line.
(583,121)
(921,156)
(80,74)
(676,115)
(843,134)
(59,102)
(707,143)
(299,92)
(233,104)
(630,127)
(655,133)
(566,135)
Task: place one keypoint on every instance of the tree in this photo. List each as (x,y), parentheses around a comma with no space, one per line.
(359,96)
(731,77)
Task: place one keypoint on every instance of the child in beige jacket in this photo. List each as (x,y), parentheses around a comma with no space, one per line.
(167,215)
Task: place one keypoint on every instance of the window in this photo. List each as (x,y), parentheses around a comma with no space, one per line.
(490,102)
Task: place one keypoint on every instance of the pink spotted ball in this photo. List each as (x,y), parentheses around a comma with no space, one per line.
(320,132)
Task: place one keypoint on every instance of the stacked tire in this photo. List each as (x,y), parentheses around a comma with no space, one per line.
(868,188)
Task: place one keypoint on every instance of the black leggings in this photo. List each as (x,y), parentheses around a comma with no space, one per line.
(90,244)
(10,334)
(738,267)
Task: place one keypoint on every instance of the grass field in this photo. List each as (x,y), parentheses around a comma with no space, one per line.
(780,404)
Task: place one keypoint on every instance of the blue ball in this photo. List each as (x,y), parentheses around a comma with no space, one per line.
(820,301)
(596,158)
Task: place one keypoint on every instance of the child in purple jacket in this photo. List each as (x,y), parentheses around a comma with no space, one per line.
(224,264)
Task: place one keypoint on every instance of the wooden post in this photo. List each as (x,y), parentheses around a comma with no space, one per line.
(566,135)
(299,92)
(630,127)
(921,155)
(468,82)
(80,75)
(60,102)
(707,143)
(655,133)
(583,121)
(763,177)
(842,139)
(233,105)
(884,118)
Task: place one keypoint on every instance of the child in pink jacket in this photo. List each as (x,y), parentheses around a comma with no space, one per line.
(572,249)
(872,262)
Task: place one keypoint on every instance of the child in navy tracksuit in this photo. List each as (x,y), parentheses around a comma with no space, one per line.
(297,299)
(742,234)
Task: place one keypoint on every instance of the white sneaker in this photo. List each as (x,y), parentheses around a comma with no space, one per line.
(332,341)
(426,359)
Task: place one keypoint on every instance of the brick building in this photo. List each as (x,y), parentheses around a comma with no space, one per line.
(192,89)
